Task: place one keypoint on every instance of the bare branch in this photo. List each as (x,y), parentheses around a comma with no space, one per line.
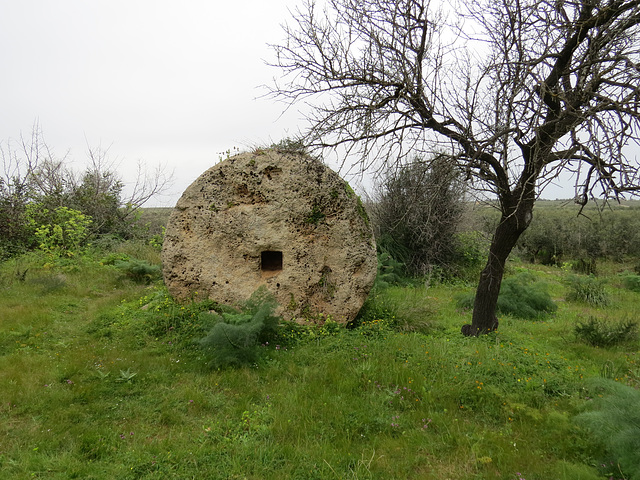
(516,92)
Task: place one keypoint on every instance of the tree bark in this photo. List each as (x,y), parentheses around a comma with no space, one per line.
(512,224)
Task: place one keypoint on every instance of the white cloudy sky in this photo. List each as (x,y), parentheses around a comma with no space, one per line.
(171,83)
(167,82)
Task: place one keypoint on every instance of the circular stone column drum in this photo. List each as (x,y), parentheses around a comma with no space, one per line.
(275,218)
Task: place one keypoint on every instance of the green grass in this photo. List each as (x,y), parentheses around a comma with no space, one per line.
(100,379)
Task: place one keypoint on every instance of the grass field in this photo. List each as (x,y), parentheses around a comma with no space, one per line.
(100,379)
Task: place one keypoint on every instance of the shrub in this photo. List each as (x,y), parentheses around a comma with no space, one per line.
(586,267)
(472,249)
(64,235)
(631,282)
(389,271)
(138,270)
(235,337)
(614,419)
(520,296)
(416,212)
(37,189)
(587,290)
(601,333)
(14,234)
(545,239)
(524,297)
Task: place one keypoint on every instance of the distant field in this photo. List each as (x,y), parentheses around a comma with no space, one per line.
(156,218)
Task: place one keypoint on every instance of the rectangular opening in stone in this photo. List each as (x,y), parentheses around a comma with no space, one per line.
(271,261)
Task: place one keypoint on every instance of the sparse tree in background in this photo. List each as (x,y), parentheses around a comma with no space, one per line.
(99,192)
(515,91)
(416,211)
(32,175)
(17,189)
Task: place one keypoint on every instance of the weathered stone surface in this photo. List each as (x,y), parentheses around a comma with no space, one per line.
(280,219)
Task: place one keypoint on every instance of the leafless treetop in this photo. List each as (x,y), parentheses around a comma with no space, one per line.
(515,90)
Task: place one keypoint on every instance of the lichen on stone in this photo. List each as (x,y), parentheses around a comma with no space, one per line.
(275,218)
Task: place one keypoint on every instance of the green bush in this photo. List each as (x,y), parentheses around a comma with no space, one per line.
(389,271)
(631,282)
(521,296)
(587,290)
(472,250)
(614,419)
(601,333)
(416,212)
(586,267)
(235,338)
(524,297)
(138,270)
(64,234)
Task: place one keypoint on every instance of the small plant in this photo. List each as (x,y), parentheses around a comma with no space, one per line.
(389,271)
(631,282)
(521,296)
(590,290)
(235,337)
(126,375)
(316,216)
(290,145)
(157,240)
(138,270)
(114,258)
(614,418)
(375,328)
(601,333)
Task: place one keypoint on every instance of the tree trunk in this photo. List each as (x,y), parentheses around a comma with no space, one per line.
(511,226)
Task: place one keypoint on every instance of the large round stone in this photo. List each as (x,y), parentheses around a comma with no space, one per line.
(274,218)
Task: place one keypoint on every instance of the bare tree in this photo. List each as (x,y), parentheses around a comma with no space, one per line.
(32,173)
(516,91)
(17,188)
(100,190)
(19,164)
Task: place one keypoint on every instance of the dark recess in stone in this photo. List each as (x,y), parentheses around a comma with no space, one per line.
(271,261)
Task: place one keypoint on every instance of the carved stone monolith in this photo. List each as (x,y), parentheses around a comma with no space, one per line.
(276,218)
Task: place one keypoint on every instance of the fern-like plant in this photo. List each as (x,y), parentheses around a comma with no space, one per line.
(631,282)
(602,333)
(614,418)
(588,290)
(138,270)
(235,337)
(389,271)
(521,296)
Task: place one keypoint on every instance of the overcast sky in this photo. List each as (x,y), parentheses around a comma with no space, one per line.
(171,83)
(166,82)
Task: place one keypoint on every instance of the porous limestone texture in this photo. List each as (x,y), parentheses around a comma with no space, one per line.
(275,218)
